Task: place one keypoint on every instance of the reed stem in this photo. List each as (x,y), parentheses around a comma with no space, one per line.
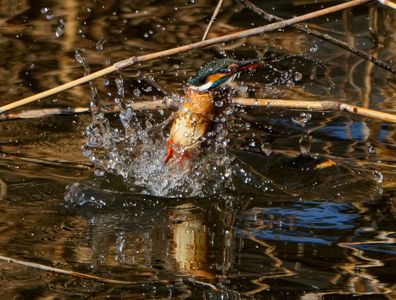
(269,103)
(318,106)
(166,53)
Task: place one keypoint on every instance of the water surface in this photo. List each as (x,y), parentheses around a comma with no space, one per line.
(282,205)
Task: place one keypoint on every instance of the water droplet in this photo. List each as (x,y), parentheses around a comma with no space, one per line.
(266,148)
(290,83)
(60,29)
(100,44)
(79,57)
(313,48)
(297,76)
(302,119)
(45,10)
(137,93)
(371,149)
(219,103)
(378,176)
(99,172)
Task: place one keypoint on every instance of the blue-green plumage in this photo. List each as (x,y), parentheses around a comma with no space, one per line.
(225,69)
(215,66)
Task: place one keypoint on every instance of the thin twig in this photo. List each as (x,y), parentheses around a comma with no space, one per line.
(318,106)
(65,272)
(166,53)
(215,13)
(304,27)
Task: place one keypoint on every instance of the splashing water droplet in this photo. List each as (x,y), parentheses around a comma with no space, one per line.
(137,93)
(219,103)
(290,83)
(302,119)
(314,48)
(99,172)
(378,176)
(298,76)
(45,10)
(371,149)
(100,44)
(60,29)
(266,148)
(120,87)
(79,58)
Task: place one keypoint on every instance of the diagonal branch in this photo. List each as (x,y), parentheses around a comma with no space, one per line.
(166,53)
(304,28)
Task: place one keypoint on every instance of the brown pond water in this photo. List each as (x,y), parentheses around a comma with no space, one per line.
(283,205)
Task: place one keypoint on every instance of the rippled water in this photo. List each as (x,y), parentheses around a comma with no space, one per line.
(282,205)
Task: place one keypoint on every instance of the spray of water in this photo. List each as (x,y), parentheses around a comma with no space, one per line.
(135,149)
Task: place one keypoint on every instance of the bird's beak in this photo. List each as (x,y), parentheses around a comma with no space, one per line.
(247,65)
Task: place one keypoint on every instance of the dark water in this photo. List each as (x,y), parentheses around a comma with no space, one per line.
(298,205)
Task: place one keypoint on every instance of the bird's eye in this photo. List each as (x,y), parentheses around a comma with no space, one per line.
(232,68)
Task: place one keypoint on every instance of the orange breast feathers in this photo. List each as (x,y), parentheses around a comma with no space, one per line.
(191,123)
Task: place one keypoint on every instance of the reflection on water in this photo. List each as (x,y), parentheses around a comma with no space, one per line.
(284,205)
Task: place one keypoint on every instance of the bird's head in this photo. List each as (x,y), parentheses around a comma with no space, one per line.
(216,73)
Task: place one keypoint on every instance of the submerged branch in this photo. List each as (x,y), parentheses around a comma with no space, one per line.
(304,28)
(226,38)
(61,271)
(318,106)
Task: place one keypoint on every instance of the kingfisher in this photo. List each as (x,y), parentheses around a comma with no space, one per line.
(195,114)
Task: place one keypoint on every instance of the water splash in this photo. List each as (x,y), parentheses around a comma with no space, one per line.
(134,148)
